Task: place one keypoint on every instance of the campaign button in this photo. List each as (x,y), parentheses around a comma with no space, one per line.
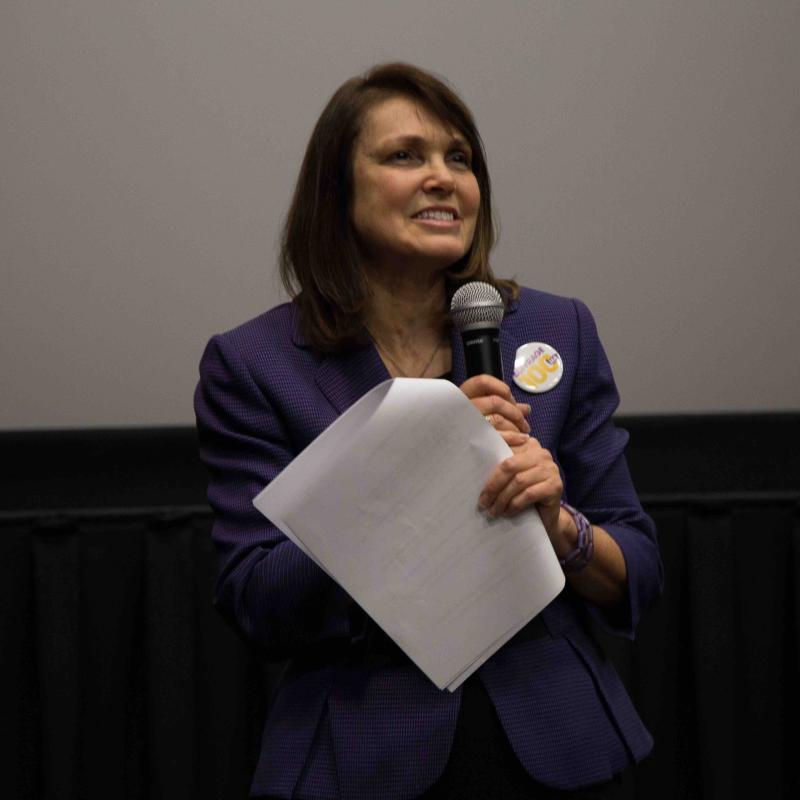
(537,367)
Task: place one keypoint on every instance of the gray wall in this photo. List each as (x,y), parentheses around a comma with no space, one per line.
(644,155)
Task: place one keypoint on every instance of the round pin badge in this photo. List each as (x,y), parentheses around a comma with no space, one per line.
(537,367)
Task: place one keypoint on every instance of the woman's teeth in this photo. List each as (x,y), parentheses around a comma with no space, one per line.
(446,216)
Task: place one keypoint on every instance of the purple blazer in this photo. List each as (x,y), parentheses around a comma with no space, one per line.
(341,727)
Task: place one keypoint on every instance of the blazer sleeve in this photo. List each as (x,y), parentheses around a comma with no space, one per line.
(598,483)
(267,587)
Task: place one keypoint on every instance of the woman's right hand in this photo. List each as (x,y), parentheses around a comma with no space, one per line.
(494,400)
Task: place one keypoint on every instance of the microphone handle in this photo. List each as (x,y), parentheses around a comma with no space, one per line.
(482,352)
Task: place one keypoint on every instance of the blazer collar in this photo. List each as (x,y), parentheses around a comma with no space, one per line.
(344,379)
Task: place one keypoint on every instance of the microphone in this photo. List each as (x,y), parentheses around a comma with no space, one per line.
(477,311)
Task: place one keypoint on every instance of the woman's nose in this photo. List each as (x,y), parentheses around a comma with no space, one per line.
(439,178)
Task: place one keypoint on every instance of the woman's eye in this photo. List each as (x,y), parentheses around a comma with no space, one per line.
(460,157)
(402,155)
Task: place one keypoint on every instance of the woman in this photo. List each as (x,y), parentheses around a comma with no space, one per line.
(391,213)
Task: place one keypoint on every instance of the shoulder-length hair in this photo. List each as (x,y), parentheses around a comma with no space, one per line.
(319,260)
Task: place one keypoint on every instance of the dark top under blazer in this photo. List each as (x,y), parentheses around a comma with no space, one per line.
(349,728)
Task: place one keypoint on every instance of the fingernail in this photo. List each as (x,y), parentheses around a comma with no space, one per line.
(527,408)
(483,501)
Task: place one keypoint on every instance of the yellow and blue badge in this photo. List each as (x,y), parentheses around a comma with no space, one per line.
(537,367)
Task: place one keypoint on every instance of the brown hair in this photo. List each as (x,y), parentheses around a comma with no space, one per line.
(319,260)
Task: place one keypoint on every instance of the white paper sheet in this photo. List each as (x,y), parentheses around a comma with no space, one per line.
(385,501)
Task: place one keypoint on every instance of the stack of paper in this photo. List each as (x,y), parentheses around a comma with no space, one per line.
(385,501)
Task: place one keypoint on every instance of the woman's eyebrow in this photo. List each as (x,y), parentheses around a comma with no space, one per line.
(405,141)
(412,140)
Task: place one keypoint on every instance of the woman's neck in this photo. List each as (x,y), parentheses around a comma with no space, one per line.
(406,321)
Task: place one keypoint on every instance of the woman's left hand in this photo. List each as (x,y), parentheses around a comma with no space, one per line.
(529,477)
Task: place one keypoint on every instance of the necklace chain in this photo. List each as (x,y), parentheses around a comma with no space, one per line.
(403,373)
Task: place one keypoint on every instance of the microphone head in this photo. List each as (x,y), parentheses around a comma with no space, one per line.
(476,305)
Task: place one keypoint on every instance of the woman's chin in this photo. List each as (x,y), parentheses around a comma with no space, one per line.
(440,257)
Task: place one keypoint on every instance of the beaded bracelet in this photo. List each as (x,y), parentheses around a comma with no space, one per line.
(582,554)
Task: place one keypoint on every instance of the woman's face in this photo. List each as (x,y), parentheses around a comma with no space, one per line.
(415,197)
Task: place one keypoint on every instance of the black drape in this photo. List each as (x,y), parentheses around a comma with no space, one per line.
(714,668)
(118,679)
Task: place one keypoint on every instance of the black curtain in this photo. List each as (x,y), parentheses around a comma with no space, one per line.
(714,668)
(119,679)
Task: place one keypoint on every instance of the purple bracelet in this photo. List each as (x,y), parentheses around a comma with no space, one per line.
(582,554)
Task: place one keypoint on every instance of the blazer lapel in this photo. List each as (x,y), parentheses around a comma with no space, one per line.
(508,352)
(343,379)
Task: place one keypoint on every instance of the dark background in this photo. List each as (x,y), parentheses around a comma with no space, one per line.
(119,680)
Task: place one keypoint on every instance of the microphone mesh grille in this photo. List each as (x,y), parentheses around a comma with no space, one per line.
(476,305)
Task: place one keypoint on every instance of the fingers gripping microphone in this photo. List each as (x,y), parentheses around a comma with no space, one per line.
(477,311)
